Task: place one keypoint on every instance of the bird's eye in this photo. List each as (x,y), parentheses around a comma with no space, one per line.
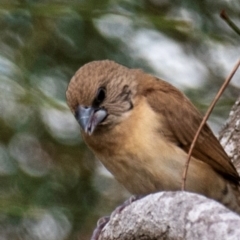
(101,94)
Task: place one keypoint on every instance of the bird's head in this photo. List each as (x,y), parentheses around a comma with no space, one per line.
(101,95)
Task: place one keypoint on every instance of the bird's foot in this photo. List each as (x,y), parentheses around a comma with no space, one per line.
(104,220)
(100,225)
(125,204)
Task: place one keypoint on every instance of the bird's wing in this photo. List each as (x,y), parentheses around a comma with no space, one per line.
(182,120)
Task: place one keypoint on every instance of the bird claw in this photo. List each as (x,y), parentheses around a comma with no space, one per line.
(101,223)
(104,220)
(125,204)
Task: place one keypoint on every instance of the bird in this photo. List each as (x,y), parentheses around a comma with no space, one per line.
(141,128)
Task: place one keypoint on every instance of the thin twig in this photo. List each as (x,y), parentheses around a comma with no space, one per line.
(221,90)
(232,25)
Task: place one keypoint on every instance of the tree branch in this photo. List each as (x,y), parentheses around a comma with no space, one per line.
(173,215)
(230,135)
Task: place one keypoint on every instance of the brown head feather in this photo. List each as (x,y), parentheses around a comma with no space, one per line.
(118,81)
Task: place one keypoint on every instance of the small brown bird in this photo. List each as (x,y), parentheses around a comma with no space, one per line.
(141,129)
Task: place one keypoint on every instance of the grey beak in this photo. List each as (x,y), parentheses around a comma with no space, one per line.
(89,117)
(82,115)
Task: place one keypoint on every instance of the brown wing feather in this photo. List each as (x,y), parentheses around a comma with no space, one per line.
(182,120)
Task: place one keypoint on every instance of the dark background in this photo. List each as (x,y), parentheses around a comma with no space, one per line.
(51,187)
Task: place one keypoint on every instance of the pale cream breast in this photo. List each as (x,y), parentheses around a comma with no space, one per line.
(136,152)
(143,160)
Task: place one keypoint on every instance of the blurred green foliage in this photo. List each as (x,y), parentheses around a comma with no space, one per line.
(49,185)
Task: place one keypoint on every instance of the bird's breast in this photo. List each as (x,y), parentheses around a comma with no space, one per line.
(136,152)
(140,157)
